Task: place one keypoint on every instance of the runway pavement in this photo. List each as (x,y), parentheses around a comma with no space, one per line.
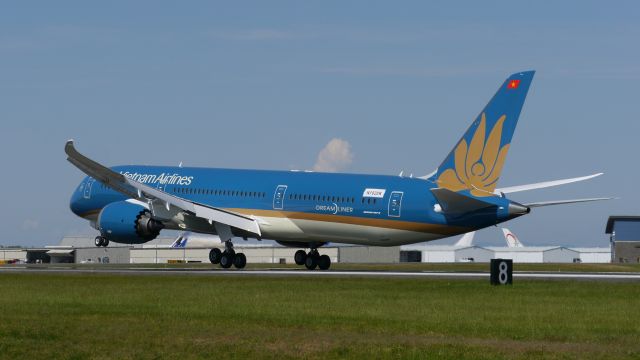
(613,276)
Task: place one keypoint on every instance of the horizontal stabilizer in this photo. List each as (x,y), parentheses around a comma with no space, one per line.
(562,202)
(453,202)
(542,185)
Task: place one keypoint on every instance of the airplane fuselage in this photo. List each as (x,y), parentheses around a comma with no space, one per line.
(303,207)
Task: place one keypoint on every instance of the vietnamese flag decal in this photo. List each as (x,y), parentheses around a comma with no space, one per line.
(513,84)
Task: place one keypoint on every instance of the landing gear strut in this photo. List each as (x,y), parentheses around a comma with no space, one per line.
(228,257)
(101,241)
(312,260)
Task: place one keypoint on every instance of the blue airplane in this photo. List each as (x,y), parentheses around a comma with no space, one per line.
(302,209)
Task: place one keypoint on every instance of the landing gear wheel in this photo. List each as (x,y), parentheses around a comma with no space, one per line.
(300,257)
(226,260)
(100,240)
(240,261)
(311,262)
(215,255)
(105,242)
(324,262)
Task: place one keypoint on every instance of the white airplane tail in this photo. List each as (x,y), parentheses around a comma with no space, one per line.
(466,239)
(511,238)
(190,240)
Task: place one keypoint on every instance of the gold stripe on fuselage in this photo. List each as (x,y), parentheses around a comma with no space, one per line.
(354,220)
(351,220)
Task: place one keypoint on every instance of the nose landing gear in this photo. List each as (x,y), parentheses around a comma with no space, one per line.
(101,241)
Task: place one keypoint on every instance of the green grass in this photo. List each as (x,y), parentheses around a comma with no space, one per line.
(120,316)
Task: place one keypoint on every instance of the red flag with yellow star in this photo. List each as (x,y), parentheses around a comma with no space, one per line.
(513,84)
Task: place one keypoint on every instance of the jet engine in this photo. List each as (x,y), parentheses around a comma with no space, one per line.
(128,223)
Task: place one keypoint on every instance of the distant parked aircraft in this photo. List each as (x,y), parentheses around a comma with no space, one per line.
(190,240)
(132,204)
(511,238)
(466,239)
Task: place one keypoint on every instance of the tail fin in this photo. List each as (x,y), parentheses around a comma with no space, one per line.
(476,162)
(511,238)
(466,239)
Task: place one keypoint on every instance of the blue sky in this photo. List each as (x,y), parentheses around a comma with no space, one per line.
(269,84)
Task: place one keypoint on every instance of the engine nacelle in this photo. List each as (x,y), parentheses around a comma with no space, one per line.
(128,223)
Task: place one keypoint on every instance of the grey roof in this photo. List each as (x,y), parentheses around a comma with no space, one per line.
(524,248)
(435,247)
(593,250)
(614,218)
(87,241)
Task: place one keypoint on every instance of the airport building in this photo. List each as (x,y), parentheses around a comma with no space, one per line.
(528,254)
(159,251)
(624,233)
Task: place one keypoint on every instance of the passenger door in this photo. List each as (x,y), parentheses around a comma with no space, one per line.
(87,188)
(278,197)
(395,203)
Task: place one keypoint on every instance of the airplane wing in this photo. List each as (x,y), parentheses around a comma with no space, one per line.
(544,184)
(158,199)
(562,202)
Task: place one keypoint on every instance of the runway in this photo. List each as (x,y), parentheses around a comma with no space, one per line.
(613,276)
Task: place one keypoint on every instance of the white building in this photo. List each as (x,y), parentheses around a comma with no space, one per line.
(594,255)
(527,254)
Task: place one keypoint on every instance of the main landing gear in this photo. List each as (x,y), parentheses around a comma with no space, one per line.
(101,241)
(228,257)
(312,259)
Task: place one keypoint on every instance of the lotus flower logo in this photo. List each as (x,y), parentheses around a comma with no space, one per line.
(477,165)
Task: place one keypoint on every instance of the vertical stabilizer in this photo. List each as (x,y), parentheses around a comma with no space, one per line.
(476,162)
(466,239)
(511,238)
